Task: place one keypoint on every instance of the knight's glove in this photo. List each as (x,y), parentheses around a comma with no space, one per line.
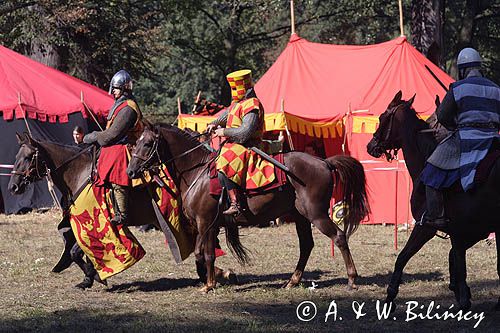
(90,138)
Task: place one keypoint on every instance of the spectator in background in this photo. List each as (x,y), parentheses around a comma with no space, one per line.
(78,135)
(274,146)
(315,148)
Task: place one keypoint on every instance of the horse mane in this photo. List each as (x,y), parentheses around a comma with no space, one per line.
(427,141)
(74,148)
(176,130)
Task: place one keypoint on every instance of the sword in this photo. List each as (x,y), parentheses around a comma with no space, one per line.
(167,232)
(270,159)
(169,236)
(277,164)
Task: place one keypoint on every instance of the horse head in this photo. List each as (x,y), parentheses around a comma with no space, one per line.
(387,138)
(168,145)
(28,166)
(145,153)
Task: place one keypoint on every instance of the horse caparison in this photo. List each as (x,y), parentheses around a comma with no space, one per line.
(70,168)
(307,202)
(473,214)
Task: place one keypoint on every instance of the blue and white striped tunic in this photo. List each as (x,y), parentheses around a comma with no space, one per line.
(478,101)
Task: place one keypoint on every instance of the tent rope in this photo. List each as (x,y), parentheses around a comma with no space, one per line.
(24,113)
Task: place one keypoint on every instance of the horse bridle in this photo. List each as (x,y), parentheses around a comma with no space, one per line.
(33,172)
(390,153)
(147,160)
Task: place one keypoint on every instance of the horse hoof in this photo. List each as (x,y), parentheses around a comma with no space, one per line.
(98,279)
(352,287)
(231,277)
(84,285)
(288,285)
(465,306)
(206,289)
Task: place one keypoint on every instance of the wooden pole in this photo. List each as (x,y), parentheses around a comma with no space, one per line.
(396,209)
(179,108)
(89,111)
(292,17)
(196,101)
(290,142)
(401,17)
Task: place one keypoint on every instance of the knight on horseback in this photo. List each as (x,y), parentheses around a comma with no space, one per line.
(124,125)
(470,109)
(243,126)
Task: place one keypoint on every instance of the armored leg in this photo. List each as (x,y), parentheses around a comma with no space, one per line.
(120,196)
(233,193)
(434,215)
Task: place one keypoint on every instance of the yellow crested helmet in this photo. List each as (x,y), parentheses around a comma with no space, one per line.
(240,81)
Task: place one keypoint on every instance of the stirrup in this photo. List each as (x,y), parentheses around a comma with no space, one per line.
(118,219)
(234,209)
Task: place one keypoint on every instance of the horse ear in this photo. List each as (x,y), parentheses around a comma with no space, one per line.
(397,99)
(411,100)
(437,101)
(27,138)
(20,138)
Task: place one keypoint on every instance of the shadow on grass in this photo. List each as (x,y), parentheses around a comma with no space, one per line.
(380,280)
(253,316)
(162,284)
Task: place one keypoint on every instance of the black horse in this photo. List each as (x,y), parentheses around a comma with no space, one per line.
(473,214)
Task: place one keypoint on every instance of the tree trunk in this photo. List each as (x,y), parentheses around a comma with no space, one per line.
(427,28)
(466,31)
(40,48)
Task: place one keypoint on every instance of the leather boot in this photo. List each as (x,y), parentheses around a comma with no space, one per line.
(234,208)
(120,194)
(434,216)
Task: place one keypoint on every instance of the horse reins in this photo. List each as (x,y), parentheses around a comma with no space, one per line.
(391,153)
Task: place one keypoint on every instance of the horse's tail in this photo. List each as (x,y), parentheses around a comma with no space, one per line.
(233,241)
(354,197)
(233,235)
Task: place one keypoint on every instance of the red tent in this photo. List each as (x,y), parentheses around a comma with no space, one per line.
(53,102)
(329,88)
(44,92)
(337,92)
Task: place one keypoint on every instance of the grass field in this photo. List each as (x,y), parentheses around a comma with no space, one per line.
(158,295)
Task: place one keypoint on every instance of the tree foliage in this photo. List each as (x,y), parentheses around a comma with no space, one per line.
(175,48)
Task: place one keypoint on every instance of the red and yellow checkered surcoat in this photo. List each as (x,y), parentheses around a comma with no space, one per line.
(241,165)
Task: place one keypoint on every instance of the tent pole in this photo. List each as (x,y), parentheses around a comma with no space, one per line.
(401,17)
(24,113)
(88,110)
(396,208)
(292,17)
(196,101)
(346,126)
(290,142)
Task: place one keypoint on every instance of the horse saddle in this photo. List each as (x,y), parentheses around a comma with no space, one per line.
(280,180)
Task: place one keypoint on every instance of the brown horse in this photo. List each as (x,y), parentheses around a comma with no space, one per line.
(473,214)
(70,168)
(305,197)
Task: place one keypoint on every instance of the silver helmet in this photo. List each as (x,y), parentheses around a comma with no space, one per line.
(469,57)
(121,80)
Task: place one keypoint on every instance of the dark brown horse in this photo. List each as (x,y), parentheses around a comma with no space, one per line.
(305,197)
(473,214)
(70,167)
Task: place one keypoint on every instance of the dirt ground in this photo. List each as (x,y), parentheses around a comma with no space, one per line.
(158,295)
